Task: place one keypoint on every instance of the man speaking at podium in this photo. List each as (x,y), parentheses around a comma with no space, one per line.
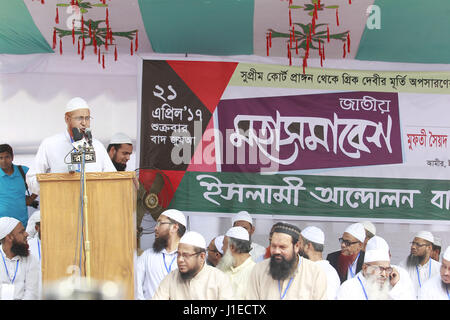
(54,153)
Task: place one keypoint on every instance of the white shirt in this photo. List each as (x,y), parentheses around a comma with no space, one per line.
(54,152)
(239,277)
(257,251)
(353,289)
(333,280)
(152,267)
(422,273)
(26,278)
(36,251)
(433,289)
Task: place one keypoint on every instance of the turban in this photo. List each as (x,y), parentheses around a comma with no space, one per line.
(218,242)
(425,235)
(313,234)
(238,233)
(194,239)
(7,224)
(120,138)
(76,104)
(176,215)
(289,229)
(242,216)
(357,230)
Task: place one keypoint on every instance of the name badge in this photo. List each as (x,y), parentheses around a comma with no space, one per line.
(7,291)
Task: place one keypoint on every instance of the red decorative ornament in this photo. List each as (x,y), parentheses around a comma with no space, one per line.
(60,47)
(54,39)
(57,16)
(136,42)
(103,61)
(99,55)
(82,24)
(42,1)
(337,17)
(349,1)
(73,32)
(107,19)
(115,53)
(267,45)
(328,33)
(348,42)
(131,47)
(270,39)
(345,52)
(90,29)
(290,18)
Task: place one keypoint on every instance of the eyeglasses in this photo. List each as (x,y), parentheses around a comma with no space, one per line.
(379,269)
(347,243)
(186,256)
(419,245)
(159,223)
(81,118)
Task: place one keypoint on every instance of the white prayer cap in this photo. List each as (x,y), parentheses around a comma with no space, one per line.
(7,224)
(35,217)
(357,230)
(446,255)
(377,243)
(176,215)
(437,242)
(218,242)
(193,238)
(119,138)
(376,255)
(76,103)
(369,227)
(425,235)
(238,233)
(313,234)
(242,216)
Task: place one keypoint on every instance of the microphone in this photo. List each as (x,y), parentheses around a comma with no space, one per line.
(88,135)
(79,140)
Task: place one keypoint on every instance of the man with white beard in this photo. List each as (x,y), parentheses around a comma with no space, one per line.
(438,287)
(236,261)
(377,280)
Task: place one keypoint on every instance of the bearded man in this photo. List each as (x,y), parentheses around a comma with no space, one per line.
(419,263)
(286,275)
(438,287)
(157,262)
(19,275)
(349,260)
(119,150)
(237,262)
(378,279)
(194,279)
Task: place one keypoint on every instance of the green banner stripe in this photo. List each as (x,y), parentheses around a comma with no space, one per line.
(279,76)
(319,196)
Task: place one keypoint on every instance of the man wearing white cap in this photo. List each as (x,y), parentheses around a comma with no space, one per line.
(194,279)
(436,249)
(371,231)
(119,150)
(438,287)
(244,220)
(215,251)
(236,261)
(419,263)
(53,154)
(157,262)
(377,280)
(312,241)
(35,245)
(349,260)
(286,275)
(19,271)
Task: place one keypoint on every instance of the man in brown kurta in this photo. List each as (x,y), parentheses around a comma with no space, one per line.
(286,275)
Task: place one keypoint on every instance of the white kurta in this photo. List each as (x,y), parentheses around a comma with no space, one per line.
(208,284)
(422,273)
(352,289)
(240,277)
(432,289)
(26,278)
(151,269)
(309,282)
(333,280)
(36,251)
(53,155)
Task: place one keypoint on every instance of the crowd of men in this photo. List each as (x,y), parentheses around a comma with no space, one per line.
(181,265)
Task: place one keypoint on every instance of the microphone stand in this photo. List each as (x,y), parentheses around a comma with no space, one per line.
(84,205)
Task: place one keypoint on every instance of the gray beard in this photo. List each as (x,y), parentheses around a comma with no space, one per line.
(377,291)
(226,262)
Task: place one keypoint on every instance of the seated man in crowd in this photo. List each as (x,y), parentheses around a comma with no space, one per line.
(215,251)
(244,220)
(194,279)
(438,287)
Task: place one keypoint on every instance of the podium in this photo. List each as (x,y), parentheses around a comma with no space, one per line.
(111,210)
